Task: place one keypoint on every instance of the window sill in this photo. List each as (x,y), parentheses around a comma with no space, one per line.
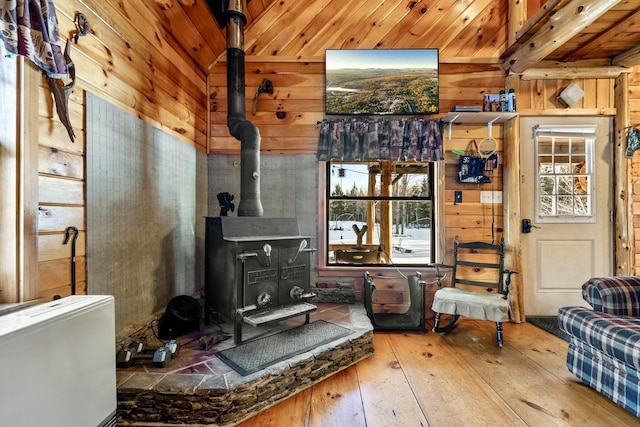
(358,270)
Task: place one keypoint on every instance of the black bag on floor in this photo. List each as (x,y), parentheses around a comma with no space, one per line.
(181,317)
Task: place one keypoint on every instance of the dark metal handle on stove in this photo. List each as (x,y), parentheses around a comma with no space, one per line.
(303,245)
(245,255)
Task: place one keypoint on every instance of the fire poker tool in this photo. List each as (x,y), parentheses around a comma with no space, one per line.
(73,255)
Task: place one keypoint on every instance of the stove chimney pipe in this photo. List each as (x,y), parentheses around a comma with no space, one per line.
(239,127)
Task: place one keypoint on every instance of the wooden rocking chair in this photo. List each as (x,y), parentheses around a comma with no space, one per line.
(479,286)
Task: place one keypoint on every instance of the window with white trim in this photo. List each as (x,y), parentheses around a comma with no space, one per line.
(565,178)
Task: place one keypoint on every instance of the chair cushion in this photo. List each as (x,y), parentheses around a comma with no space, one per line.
(471,304)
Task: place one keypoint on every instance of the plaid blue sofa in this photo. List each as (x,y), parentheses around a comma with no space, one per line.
(604,346)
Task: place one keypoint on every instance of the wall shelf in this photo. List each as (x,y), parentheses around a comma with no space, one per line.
(488,117)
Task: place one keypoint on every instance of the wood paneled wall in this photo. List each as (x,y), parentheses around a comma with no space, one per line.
(132,60)
(471,219)
(138,67)
(288,124)
(288,119)
(61,195)
(538,97)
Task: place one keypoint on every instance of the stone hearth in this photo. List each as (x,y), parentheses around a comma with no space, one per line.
(197,388)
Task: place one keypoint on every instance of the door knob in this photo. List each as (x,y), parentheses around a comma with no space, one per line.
(527,226)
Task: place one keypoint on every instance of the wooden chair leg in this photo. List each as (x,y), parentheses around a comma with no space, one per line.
(499,332)
(448,326)
(436,322)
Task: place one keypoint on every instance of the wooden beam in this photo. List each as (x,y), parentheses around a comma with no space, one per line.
(386,211)
(624,241)
(570,73)
(516,17)
(529,28)
(548,9)
(557,30)
(630,58)
(29,79)
(9,178)
(581,63)
(439,180)
(371,207)
(511,211)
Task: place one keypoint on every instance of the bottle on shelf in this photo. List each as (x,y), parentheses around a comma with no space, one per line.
(511,100)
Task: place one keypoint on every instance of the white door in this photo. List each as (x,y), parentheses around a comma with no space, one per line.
(566,167)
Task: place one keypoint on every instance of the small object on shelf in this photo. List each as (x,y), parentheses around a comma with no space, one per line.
(503,100)
(467,108)
(511,100)
(491,102)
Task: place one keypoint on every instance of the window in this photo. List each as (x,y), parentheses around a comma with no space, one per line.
(565,174)
(379,213)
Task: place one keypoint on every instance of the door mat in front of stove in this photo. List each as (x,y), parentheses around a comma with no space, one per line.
(258,354)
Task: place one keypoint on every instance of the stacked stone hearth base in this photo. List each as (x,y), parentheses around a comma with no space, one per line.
(198,389)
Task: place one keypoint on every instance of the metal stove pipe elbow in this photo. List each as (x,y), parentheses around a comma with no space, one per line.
(240,128)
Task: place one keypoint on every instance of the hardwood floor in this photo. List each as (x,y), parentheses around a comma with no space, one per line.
(459,379)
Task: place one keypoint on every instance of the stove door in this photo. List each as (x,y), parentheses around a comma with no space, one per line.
(294,274)
(260,277)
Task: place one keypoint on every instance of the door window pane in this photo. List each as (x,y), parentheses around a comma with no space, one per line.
(564,173)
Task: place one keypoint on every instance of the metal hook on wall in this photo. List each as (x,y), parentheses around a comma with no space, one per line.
(82,25)
(265,87)
(73,255)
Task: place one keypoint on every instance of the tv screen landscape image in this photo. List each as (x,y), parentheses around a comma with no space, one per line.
(381,81)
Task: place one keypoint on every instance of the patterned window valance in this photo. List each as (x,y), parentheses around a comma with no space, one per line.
(353,139)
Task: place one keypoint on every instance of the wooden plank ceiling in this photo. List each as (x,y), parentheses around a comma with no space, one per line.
(594,32)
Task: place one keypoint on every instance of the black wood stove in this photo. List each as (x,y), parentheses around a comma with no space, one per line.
(257,270)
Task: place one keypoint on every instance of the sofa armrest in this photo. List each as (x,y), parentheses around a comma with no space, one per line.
(618,295)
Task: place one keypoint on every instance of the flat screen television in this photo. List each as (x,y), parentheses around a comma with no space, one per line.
(381,81)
